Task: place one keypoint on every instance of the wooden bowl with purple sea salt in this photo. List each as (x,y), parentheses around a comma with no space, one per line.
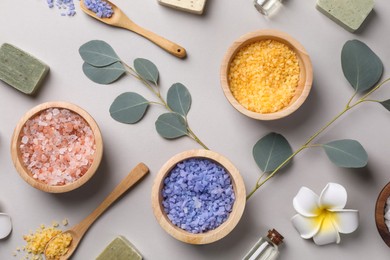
(56,147)
(198,196)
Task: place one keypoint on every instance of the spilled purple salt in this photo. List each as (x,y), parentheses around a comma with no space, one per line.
(198,195)
(66,6)
(100,7)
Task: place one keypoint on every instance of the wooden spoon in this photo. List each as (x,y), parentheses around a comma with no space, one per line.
(119,19)
(77,232)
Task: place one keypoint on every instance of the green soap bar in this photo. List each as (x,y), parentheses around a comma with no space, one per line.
(348,13)
(120,249)
(21,70)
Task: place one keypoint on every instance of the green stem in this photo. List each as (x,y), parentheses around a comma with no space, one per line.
(193,136)
(133,73)
(308,141)
(374,89)
(156,103)
(305,145)
(350,100)
(372,100)
(258,185)
(314,145)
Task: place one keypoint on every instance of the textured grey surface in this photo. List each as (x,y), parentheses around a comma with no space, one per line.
(35,28)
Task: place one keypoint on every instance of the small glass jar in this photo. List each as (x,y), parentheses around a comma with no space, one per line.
(266,248)
(266,7)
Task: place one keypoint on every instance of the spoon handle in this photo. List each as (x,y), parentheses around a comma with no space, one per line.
(132,178)
(165,44)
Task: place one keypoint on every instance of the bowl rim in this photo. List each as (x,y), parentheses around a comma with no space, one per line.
(15,151)
(304,62)
(380,214)
(211,235)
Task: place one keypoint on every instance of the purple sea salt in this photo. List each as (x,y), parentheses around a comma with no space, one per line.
(100,7)
(198,195)
(66,6)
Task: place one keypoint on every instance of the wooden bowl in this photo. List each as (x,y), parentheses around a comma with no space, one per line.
(17,157)
(211,235)
(305,79)
(380,214)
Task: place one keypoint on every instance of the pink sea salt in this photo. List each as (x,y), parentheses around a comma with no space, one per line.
(57,146)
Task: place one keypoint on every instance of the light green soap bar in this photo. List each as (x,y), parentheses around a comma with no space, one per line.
(120,249)
(348,13)
(21,70)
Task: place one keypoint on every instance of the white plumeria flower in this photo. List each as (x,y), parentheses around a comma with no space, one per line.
(324,217)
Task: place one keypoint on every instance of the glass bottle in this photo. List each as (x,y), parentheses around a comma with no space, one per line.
(266,7)
(266,248)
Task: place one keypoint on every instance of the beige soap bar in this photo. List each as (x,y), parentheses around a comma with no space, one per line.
(348,13)
(192,6)
(120,249)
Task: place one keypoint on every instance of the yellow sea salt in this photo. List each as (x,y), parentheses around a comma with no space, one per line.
(263,76)
(37,242)
(59,246)
(65,222)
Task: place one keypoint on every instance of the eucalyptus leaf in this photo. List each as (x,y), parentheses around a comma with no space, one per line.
(104,75)
(171,125)
(386,104)
(98,53)
(346,153)
(129,108)
(146,69)
(361,66)
(271,151)
(179,99)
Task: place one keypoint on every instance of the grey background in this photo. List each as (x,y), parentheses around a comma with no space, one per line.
(32,26)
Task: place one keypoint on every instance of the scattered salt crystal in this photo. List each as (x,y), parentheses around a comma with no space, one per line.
(58,153)
(63,5)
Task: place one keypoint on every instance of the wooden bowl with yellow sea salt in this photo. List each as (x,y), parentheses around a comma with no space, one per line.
(56,147)
(266,75)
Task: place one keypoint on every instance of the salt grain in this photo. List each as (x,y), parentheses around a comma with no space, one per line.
(100,7)
(198,195)
(57,146)
(387,214)
(67,7)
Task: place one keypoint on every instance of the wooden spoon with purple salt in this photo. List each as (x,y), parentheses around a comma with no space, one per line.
(107,12)
(63,245)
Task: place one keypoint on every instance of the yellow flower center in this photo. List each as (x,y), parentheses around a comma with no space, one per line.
(325,219)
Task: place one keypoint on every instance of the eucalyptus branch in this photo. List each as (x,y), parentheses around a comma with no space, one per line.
(102,65)
(157,93)
(308,143)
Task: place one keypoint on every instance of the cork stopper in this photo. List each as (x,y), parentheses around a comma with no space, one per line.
(275,237)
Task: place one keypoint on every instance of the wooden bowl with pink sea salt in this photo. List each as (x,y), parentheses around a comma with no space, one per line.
(266,74)
(56,147)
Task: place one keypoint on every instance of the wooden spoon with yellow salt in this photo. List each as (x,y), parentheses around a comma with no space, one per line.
(63,245)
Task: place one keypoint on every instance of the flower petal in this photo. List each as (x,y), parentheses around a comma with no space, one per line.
(306,202)
(333,196)
(346,220)
(307,226)
(328,233)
